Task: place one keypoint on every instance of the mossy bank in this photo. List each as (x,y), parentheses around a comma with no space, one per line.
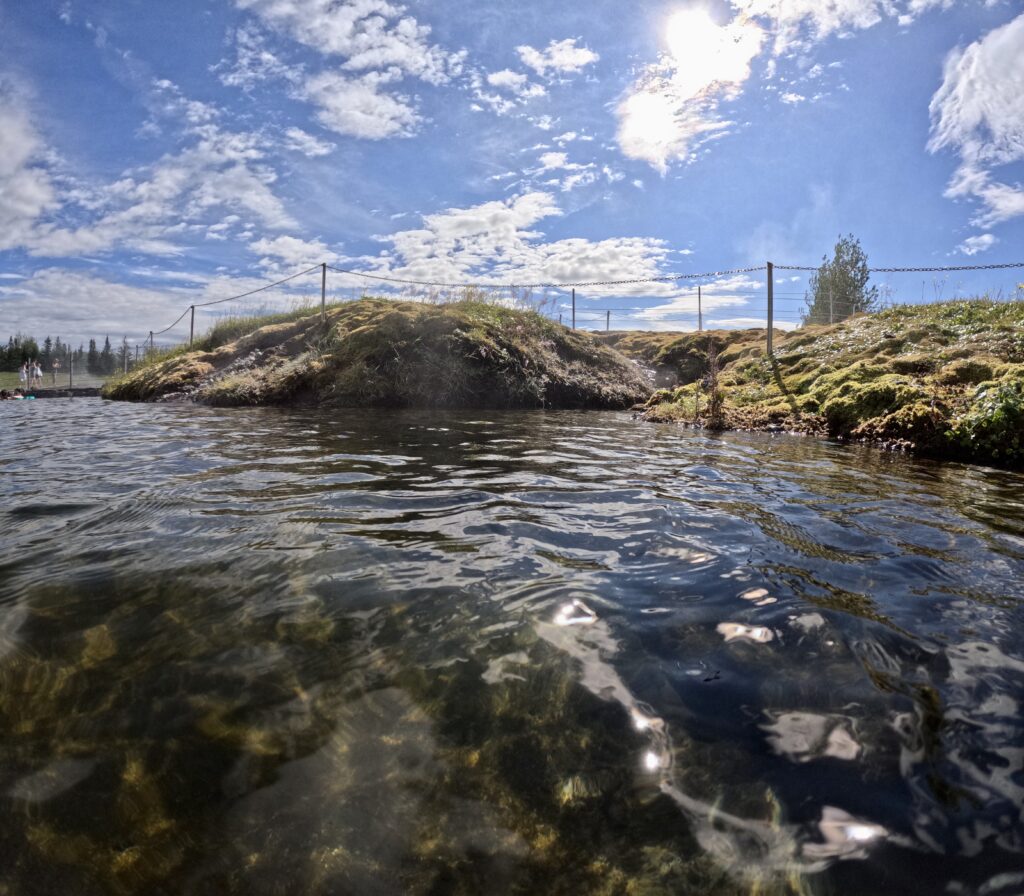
(943,380)
(381,353)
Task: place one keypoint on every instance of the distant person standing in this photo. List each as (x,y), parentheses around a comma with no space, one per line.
(36,373)
(55,367)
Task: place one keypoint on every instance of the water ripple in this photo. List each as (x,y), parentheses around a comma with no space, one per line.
(545,651)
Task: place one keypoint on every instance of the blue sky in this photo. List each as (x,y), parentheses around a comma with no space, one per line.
(154,155)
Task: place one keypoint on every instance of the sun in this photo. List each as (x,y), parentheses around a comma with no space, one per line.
(692,34)
(705,53)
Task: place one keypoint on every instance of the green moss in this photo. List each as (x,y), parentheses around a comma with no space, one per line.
(965,371)
(942,379)
(854,403)
(916,364)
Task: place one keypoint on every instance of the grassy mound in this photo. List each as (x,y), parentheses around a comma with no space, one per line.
(944,380)
(381,353)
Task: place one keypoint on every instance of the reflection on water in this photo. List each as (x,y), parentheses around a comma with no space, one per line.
(265,652)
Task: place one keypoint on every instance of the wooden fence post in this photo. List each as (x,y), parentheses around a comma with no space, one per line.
(771,303)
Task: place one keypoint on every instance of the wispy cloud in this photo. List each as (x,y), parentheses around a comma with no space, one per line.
(977,112)
(974,245)
(149,209)
(300,141)
(560,57)
(26,188)
(379,46)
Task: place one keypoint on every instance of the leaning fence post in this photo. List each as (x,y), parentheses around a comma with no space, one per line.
(323,292)
(574,308)
(700,311)
(192,326)
(771,303)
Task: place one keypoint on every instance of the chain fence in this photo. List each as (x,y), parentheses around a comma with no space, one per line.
(774,297)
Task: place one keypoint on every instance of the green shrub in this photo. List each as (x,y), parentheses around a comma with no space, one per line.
(994,424)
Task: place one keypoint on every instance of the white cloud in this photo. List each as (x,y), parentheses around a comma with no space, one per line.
(792,99)
(254,62)
(508,79)
(167,101)
(300,141)
(356,107)
(979,113)
(582,174)
(673,107)
(154,208)
(976,244)
(88,305)
(293,253)
(796,23)
(26,189)
(559,57)
(370,34)
(379,45)
(514,90)
(551,161)
(497,242)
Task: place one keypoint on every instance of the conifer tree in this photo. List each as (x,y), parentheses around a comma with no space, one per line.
(839,288)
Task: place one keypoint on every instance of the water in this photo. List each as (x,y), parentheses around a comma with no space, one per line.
(268,651)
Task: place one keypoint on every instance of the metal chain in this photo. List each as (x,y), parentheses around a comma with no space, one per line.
(254,291)
(967,267)
(172,326)
(670,278)
(939,270)
(233,298)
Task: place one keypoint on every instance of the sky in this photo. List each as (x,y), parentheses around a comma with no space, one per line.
(155,155)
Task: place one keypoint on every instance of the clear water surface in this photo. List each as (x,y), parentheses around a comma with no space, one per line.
(272,651)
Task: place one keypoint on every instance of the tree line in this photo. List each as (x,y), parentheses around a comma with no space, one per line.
(97,361)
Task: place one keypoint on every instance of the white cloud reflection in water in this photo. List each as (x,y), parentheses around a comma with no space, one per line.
(748,846)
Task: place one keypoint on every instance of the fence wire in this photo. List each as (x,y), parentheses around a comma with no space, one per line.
(710,306)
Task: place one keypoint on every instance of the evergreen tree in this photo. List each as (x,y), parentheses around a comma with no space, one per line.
(28,348)
(92,361)
(839,288)
(106,365)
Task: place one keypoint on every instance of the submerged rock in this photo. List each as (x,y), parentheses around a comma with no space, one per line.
(381,353)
